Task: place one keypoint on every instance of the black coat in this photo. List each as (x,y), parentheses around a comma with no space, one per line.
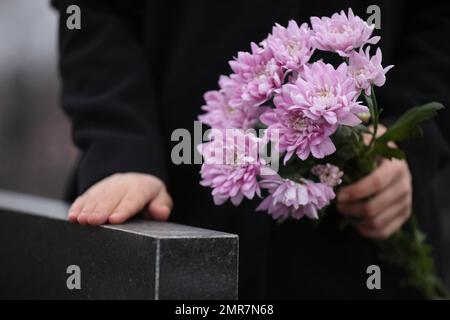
(137,70)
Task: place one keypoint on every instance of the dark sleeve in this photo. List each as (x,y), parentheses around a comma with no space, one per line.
(107,91)
(422,74)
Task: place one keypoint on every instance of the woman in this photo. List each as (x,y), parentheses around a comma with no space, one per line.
(136,71)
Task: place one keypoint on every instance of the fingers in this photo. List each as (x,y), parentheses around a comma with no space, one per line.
(119,197)
(383,219)
(87,209)
(160,207)
(380,131)
(94,206)
(387,227)
(381,202)
(131,204)
(75,209)
(382,177)
(105,206)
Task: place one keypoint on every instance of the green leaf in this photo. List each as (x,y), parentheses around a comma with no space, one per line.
(384,151)
(407,125)
(408,251)
(361,128)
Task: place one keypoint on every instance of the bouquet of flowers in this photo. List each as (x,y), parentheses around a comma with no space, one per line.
(313,120)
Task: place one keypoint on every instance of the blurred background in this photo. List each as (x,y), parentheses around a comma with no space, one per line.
(35,149)
(36,153)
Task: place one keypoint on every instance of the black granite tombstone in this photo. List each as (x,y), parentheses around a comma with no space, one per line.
(43,256)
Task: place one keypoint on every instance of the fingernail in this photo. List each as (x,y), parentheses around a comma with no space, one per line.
(114,215)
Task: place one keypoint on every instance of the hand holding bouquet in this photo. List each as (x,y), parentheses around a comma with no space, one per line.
(315,119)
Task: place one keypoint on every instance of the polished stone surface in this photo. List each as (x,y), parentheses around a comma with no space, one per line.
(137,260)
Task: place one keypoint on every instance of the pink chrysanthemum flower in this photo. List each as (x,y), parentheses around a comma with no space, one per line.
(294,199)
(328,174)
(256,76)
(291,46)
(323,92)
(293,132)
(342,33)
(221,115)
(233,89)
(366,70)
(231,166)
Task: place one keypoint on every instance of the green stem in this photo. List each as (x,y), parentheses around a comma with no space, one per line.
(374,114)
(409,251)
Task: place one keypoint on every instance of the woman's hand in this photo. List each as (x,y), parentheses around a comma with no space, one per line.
(382,200)
(117,198)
